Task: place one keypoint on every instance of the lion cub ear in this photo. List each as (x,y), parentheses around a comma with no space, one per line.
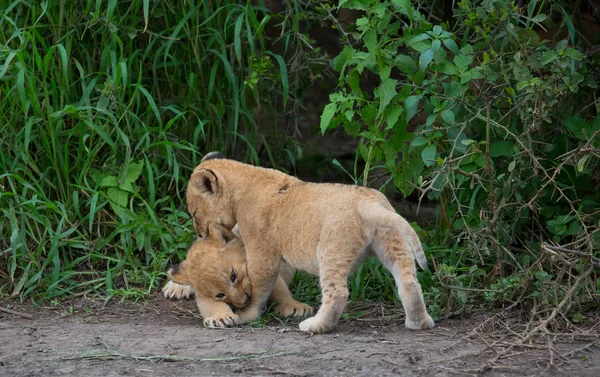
(212,156)
(204,181)
(221,233)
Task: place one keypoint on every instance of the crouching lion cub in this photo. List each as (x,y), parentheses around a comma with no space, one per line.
(214,270)
(324,229)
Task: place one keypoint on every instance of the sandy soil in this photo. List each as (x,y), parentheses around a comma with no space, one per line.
(162,337)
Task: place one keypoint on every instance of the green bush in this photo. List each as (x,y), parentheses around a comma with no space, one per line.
(498,126)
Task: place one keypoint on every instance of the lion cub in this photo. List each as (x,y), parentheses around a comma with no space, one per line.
(324,229)
(215,271)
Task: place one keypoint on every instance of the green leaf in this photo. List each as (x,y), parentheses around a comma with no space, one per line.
(110,181)
(340,61)
(412,105)
(117,196)
(327,116)
(579,127)
(384,72)
(146,8)
(285,85)
(463,62)
(418,141)
(539,18)
(405,7)
(428,155)
(570,27)
(393,115)
(451,45)
(425,58)
(472,74)
(349,114)
(448,116)
(370,39)
(405,63)
(486,58)
(127,186)
(548,57)
(481,161)
(531,8)
(151,102)
(353,4)
(581,162)
(512,166)
(574,54)
(419,38)
(387,91)
(447,68)
(133,172)
(522,84)
(361,23)
(501,148)
(431,118)
(237,42)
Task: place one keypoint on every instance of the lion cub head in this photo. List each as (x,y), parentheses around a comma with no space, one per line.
(209,195)
(216,267)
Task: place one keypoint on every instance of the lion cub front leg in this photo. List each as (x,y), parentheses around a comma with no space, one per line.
(263,270)
(216,314)
(286,305)
(177,291)
(335,262)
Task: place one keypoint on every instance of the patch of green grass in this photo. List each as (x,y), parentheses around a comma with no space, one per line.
(105,107)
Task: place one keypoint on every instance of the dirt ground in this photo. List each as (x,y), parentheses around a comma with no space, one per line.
(163,337)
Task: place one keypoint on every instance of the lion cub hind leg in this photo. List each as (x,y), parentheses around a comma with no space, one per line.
(395,253)
(177,291)
(286,305)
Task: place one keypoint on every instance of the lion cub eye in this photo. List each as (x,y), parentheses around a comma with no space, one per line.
(220,295)
(233,276)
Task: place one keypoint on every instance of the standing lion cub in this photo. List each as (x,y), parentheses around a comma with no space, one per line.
(324,229)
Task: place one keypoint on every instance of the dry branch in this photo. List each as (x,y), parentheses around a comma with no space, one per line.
(8,311)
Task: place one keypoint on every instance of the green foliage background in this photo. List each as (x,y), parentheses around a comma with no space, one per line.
(499,126)
(106,106)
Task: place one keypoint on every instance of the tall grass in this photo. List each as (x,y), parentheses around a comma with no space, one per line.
(104,108)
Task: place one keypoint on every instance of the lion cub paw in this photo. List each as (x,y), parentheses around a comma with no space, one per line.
(293,309)
(314,326)
(222,320)
(177,291)
(423,324)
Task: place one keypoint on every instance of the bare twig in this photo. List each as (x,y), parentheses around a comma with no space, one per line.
(8,311)
(575,252)
(563,305)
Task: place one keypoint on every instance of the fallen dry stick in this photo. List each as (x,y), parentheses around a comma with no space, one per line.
(8,311)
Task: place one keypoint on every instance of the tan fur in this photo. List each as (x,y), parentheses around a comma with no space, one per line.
(206,272)
(324,229)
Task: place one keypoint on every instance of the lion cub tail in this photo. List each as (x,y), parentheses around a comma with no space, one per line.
(385,218)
